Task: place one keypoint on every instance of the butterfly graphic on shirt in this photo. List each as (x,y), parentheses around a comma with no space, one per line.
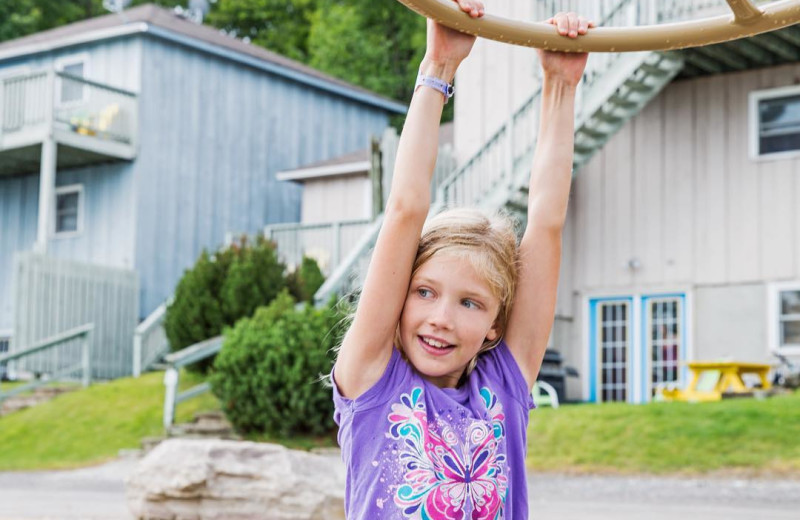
(447,475)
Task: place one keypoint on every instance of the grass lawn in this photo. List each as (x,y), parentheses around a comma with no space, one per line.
(92,425)
(733,435)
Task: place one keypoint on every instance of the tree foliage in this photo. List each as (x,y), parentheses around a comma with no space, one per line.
(377,45)
(220,289)
(281,26)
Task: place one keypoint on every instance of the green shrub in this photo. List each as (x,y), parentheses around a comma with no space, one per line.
(304,281)
(254,278)
(268,373)
(219,290)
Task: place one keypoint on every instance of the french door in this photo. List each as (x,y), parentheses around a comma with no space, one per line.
(637,344)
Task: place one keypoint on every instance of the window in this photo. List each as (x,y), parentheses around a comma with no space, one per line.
(68,210)
(70,90)
(775,122)
(784,316)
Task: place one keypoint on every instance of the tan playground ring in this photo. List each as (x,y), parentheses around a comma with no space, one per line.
(745,20)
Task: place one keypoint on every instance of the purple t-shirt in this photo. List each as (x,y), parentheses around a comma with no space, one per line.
(414,450)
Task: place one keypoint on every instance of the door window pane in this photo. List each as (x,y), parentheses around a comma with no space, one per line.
(665,342)
(614,346)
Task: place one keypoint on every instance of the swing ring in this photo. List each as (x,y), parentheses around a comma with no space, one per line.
(746,20)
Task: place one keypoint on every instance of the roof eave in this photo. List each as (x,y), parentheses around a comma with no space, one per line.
(147,27)
(306,174)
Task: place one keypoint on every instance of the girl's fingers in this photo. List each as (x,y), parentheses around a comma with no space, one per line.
(473,8)
(583,25)
(562,23)
(573,25)
(570,24)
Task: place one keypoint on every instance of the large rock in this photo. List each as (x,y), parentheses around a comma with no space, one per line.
(203,479)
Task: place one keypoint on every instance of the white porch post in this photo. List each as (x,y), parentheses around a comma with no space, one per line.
(47,172)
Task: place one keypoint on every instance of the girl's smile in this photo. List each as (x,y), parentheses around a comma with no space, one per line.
(449,313)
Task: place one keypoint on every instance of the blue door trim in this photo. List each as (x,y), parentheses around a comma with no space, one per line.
(593,340)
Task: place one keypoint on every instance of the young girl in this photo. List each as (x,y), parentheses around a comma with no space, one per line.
(433,379)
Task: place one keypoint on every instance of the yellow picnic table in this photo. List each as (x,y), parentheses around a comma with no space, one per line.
(712,379)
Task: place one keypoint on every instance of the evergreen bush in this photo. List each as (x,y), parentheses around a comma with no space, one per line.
(269,372)
(221,288)
(304,281)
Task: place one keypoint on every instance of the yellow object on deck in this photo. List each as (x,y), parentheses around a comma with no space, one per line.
(712,379)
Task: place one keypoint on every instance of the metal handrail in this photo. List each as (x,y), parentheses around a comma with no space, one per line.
(149,340)
(176,360)
(84,366)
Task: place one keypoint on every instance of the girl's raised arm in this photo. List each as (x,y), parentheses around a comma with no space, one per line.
(533,309)
(366,348)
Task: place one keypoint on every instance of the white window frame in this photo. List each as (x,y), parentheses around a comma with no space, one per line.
(773,317)
(63,62)
(62,190)
(753,121)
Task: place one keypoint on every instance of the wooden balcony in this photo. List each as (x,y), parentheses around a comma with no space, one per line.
(90,122)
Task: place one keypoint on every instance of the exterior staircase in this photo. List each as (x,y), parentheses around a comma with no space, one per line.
(614,89)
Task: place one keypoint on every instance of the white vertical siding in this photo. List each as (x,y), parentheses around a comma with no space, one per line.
(711,205)
(676,189)
(647,186)
(54,295)
(337,198)
(702,215)
(742,186)
(18,215)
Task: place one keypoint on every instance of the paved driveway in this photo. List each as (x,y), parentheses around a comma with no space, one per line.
(99,493)
(558,497)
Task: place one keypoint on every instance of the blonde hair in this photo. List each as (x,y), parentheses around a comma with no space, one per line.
(489,243)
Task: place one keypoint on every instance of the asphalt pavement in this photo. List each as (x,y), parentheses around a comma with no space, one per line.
(98,493)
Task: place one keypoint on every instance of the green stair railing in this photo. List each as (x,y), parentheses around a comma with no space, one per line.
(75,360)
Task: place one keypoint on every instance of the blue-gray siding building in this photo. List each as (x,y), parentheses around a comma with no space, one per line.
(154,137)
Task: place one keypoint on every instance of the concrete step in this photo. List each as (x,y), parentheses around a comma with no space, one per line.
(204,425)
(37,396)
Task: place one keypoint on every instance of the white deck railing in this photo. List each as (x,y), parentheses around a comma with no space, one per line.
(75,106)
(90,108)
(327,243)
(53,295)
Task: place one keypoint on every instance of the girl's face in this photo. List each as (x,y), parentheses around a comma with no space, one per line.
(449,313)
